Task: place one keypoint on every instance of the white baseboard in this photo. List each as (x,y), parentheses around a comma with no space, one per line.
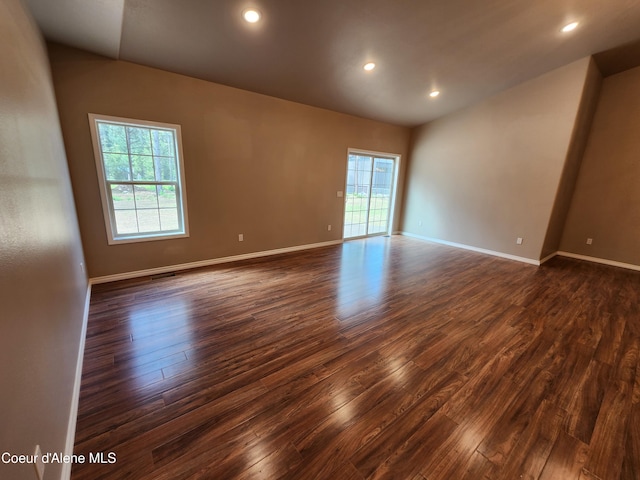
(548,257)
(75,399)
(604,261)
(207,263)
(474,249)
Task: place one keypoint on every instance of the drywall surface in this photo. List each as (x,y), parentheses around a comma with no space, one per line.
(489,174)
(42,287)
(257,165)
(606,202)
(584,120)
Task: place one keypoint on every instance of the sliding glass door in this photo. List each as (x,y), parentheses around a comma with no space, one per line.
(369,194)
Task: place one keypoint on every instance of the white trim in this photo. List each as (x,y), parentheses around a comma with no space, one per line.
(548,257)
(603,261)
(373,153)
(75,399)
(364,237)
(206,263)
(474,249)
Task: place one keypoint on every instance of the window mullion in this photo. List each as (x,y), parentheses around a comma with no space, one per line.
(141,182)
(133,187)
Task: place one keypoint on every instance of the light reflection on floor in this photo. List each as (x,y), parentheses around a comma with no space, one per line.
(161,331)
(258,452)
(362,282)
(343,407)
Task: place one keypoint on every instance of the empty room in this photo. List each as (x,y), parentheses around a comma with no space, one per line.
(319,240)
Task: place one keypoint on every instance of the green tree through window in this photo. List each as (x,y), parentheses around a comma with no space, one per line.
(141,174)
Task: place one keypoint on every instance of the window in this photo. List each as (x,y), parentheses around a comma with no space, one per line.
(141,177)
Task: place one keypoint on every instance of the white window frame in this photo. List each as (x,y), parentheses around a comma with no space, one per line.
(113,237)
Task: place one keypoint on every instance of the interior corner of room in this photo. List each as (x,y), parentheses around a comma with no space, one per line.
(548,166)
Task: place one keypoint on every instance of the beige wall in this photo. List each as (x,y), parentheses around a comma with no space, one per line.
(257,165)
(42,288)
(606,203)
(577,146)
(488,174)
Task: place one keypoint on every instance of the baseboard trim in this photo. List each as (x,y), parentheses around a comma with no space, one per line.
(75,399)
(209,262)
(474,249)
(604,261)
(548,257)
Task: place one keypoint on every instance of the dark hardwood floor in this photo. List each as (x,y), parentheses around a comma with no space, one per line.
(385,358)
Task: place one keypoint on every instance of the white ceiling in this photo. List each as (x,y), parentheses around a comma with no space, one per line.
(94,25)
(313,51)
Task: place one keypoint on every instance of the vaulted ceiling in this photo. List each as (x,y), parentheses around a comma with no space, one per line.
(313,51)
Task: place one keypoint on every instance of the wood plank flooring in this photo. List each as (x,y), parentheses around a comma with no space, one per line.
(386,358)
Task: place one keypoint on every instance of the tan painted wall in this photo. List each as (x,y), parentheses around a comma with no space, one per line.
(490,173)
(606,203)
(257,165)
(42,288)
(586,112)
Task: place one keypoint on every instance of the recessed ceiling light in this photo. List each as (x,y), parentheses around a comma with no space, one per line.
(434,94)
(369,66)
(251,16)
(570,27)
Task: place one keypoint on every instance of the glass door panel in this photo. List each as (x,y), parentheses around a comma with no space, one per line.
(368,195)
(380,202)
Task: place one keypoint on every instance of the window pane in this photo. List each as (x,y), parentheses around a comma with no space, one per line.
(116,166)
(146,196)
(169,218)
(122,196)
(148,220)
(163,143)
(126,221)
(113,138)
(142,167)
(139,141)
(165,169)
(167,196)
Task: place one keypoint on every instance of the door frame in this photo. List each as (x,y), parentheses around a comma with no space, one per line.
(397,158)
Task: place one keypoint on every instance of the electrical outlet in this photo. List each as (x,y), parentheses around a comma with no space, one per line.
(419,223)
(241,237)
(519,240)
(589,241)
(38,464)
(328,228)
(82,267)
(339,193)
